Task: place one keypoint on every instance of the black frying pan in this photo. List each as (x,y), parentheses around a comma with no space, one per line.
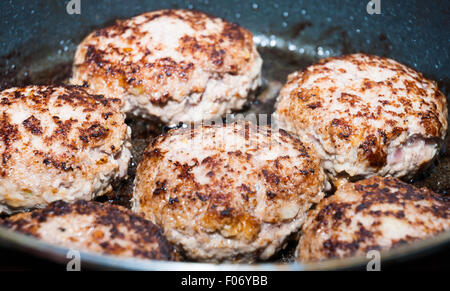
(39,38)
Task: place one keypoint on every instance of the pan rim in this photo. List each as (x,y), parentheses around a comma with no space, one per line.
(58,254)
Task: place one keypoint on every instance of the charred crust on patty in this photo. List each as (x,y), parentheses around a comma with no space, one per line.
(33,125)
(358,217)
(116,220)
(8,134)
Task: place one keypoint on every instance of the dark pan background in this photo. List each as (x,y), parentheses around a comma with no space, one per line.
(413,32)
(39,38)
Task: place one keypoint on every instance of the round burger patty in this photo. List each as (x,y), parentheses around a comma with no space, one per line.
(373,214)
(59,143)
(366,115)
(175,65)
(230,192)
(94,227)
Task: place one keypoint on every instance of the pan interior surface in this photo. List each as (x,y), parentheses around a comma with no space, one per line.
(42,38)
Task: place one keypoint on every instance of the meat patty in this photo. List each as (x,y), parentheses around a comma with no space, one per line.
(59,143)
(175,65)
(230,192)
(366,115)
(373,214)
(94,227)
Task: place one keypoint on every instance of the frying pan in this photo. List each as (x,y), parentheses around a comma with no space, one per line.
(39,38)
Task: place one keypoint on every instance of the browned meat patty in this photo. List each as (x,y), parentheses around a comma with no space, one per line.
(175,65)
(94,227)
(59,143)
(366,115)
(228,192)
(373,214)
